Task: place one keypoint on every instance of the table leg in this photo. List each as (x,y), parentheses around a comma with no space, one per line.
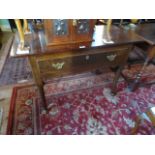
(114,84)
(37,78)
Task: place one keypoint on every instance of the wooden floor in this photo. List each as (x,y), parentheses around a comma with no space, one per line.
(6,91)
(5,96)
(6,40)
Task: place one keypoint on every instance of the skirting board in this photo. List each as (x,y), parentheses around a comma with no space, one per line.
(1,117)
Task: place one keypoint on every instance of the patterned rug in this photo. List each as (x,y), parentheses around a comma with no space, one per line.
(81,105)
(16,70)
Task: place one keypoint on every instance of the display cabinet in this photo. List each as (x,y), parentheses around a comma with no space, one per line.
(68,31)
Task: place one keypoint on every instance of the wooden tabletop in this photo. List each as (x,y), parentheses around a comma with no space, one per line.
(146,32)
(101,38)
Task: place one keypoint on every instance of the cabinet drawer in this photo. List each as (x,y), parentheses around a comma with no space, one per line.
(83,62)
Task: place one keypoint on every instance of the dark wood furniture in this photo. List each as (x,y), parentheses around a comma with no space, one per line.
(108,49)
(64,31)
(147,33)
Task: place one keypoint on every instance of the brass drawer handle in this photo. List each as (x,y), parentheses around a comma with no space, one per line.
(58,65)
(111,57)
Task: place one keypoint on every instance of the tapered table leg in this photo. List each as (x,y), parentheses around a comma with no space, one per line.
(115,80)
(37,78)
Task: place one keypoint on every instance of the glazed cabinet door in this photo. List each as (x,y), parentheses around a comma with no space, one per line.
(83,29)
(68,31)
(57,30)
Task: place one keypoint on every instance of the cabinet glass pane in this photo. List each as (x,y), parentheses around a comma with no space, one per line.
(83,26)
(60,27)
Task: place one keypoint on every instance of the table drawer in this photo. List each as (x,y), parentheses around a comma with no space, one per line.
(83,62)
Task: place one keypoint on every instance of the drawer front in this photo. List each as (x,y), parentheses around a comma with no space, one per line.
(83,62)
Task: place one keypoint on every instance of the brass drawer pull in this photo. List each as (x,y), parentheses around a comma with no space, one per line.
(58,65)
(111,57)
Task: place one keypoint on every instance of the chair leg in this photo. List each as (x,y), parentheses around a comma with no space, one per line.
(151,116)
(134,130)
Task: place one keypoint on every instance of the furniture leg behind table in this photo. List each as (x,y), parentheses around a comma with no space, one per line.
(37,78)
(136,83)
(119,71)
(115,80)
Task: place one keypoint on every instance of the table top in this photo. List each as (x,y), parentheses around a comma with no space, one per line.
(101,38)
(146,32)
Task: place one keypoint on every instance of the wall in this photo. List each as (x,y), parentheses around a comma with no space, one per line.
(4,25)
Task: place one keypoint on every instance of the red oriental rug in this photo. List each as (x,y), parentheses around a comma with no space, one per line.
(81,105)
